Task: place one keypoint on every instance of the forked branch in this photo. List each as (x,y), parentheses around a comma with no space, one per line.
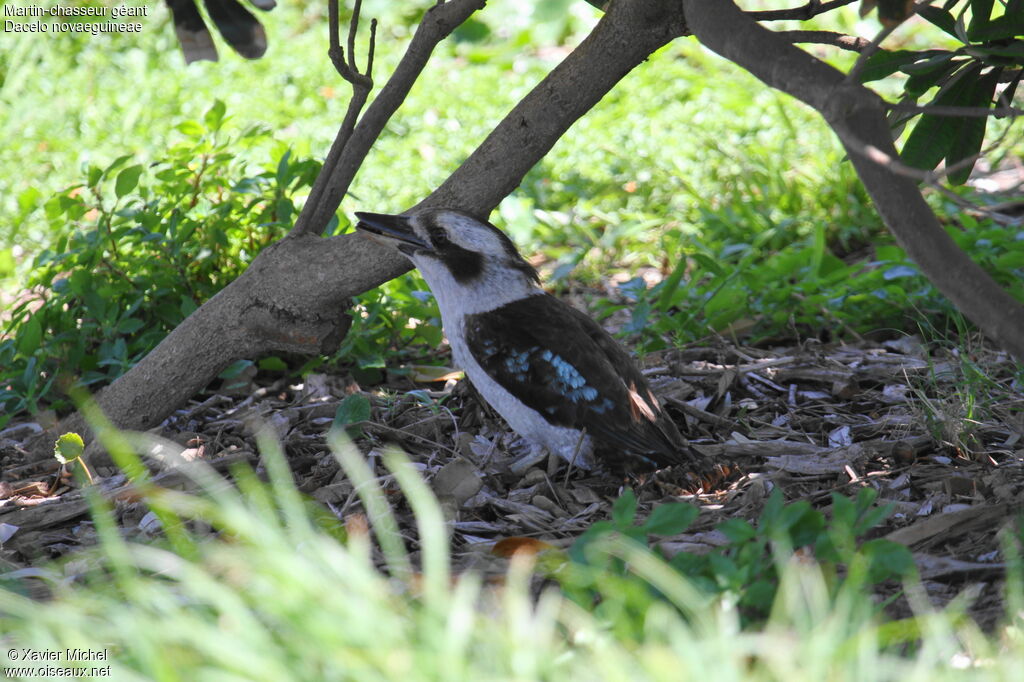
(362,84)
(349,150)
(348,69)
(846,42)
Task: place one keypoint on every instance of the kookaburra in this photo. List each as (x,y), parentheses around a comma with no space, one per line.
(557,377)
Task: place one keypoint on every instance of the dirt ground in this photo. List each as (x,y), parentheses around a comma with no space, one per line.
(937,433)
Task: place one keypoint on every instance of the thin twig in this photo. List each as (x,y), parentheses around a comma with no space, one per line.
(847,42)
(371,50)
(353,26)
(808,11)
(962,112)
(348,69)
(333,40)
(362,84)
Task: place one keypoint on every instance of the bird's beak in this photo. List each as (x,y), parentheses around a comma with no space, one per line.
(394,228)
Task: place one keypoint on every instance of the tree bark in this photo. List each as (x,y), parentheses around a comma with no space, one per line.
(858,118)
(295,294)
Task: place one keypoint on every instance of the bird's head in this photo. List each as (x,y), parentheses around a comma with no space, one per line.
(456,252)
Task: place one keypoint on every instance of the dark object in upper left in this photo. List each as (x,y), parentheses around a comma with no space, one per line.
(236,24)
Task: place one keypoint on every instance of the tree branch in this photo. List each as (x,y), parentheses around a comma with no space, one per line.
(330,187)
(958,112)
(808,11)
(858,117)
(847,42)
(362,84)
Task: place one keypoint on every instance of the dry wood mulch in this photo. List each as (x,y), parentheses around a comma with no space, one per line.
(938,434)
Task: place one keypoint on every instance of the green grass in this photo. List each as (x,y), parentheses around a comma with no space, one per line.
(284,594)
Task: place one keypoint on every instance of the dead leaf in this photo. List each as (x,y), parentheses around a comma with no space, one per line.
(840,437)
(457,480)
(509,547)
(431,373)
(357,525)
(6,532)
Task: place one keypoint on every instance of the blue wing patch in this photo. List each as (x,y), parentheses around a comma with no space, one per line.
(536,366)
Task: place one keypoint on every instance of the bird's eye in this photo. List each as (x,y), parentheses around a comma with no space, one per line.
(438,237)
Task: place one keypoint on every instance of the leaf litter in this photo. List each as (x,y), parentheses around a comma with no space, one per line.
(937,433)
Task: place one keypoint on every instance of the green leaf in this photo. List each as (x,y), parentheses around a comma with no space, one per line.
(578,551)
(981,16)
(933,136)
(723,568)
(187,306)
(283,174)
(127,180)
(29,199)
(235,369)
(624,510)
(29,336)
(117,163)
(971,132)
(884,63)
(471,31)
(888,559)
(670,519)
(671,283)
(190,128)
(68,448)
(129,325)
(922,80)
(844,511)
(710,264)
(1010,25)
(759,595)
(7,262)
(352,410)
(214,117)
(80,282)
(1014,50)
(94,175)
(865,498)
(273,364)
(285,208)
(940,17)
(737,531)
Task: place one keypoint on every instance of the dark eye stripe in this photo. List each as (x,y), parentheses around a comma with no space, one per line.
(438,236)
(464,265)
